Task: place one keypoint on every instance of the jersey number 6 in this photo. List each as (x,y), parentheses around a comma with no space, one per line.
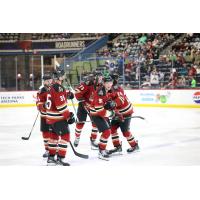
(48,102)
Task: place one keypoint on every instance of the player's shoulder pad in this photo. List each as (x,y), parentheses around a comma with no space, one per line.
(58,88)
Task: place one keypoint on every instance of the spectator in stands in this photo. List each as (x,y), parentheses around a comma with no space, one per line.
(192,71)
(154,79)
(198,76)
(181,82)
(180,58)
(129,67)
(146,84)
(193,82)
(198,69)
(197,57)
(141,58)
(183,71)
(112,66)
(173,79)
(120,63)
(187,56)
(161,76)
(107,64)
(149,69)
(143,39)
(172,57)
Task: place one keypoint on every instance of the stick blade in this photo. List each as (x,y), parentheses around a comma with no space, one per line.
(82,155)
(24,138)
(139,117)
(77,153)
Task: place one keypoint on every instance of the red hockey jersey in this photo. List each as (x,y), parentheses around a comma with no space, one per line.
(123,105)
(100,99)
(41,100)
(56,104)
(85,94)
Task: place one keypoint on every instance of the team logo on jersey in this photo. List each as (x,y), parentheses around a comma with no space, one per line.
(100,100)
(196,97)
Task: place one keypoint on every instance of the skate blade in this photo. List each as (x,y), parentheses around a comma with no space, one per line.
(61,165)
(136,151)
(51,164)
(106,159)
(102,158)
(94,148)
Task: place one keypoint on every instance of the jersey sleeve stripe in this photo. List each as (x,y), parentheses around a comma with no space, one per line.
(62,106)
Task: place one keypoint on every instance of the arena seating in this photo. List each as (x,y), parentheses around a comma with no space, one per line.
(9,36)
(137,57)
(141,52)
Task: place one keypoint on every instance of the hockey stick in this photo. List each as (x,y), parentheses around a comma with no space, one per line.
(132,117)
(71,89)
(78,154)
(27,138)
(139,117)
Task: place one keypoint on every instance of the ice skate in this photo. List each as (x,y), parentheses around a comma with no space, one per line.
(76,141)
(60,161)
(46,154)
(133,149)
(117,150)
(51,161)
(103,154)
(94,145)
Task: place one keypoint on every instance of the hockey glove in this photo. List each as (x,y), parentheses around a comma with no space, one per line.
(110,105)
(71,119)
(70,95)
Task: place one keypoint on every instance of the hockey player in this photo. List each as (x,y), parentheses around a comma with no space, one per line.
(121,104)
(40,103)
(84,94)
(100,114)
(59,118)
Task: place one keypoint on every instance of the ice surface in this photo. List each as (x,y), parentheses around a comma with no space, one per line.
(167,137)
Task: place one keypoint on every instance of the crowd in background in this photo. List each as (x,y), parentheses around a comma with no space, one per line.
(145,64)
(9,36)
(143,60)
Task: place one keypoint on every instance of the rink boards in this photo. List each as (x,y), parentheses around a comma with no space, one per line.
(143,98)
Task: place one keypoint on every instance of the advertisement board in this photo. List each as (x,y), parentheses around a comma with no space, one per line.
(144,98)
(17,99)
(165,98)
